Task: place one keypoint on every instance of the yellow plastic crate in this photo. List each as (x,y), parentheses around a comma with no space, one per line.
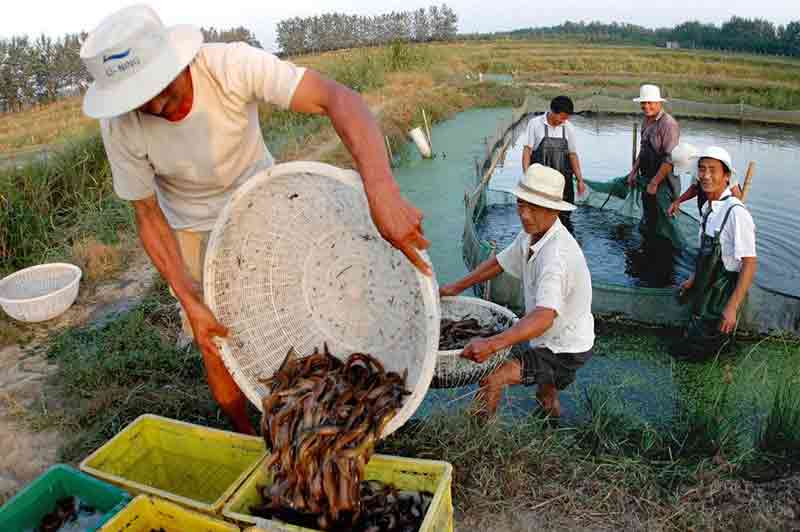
(192,465)
(404,473)
(146,513)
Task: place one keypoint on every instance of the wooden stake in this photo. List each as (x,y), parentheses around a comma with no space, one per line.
(389,149)
(748,177)
(427,129)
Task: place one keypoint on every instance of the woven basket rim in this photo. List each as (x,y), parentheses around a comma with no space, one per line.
(479,303)
(428,285)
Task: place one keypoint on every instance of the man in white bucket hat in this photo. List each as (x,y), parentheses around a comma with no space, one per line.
(652,171)
(726,263)
(558,322)
(180,125)
(684,161)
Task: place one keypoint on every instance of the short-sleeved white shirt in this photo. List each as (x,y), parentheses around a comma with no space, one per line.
(194,165)
(738,238)
(556,277)
(535,131)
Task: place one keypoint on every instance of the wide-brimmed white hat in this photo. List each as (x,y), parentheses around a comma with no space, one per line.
(684,157)
(649,93)
(132,57)
(720,154)
(543,186)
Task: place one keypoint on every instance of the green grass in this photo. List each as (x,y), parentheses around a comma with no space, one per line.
(47,206)
(110,375)
(609,463)
(521,466)
(779,436)
(11,332)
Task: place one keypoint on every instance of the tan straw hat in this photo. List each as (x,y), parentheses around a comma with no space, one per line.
(543,186)
(649,93)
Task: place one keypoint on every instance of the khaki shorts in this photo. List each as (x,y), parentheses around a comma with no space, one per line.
(192,245)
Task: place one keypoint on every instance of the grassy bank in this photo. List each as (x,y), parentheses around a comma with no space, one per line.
(609,470)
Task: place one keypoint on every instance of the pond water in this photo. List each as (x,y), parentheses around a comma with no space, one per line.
(611,243)
(646,387)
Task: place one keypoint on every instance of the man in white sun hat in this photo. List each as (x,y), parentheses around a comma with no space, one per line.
(558,325)
(726,263)
(179,121)
(684,161)
(652,171)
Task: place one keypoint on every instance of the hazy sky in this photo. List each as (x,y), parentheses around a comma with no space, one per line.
(56,17)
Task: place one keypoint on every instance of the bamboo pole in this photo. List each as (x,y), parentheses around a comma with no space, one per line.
(389,149)
(748,177)
(487,290)
(427,129)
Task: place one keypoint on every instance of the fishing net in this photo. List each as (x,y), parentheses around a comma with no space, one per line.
(765,310)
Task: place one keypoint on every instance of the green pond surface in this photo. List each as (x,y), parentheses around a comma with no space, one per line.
(634,369)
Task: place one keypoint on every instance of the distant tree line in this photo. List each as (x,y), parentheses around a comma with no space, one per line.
(238,34)
(40,70)
(737,34)
(333,31)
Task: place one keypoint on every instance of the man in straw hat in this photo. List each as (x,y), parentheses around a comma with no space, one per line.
(558,321)
(726,263)
(179,121)
(652,170)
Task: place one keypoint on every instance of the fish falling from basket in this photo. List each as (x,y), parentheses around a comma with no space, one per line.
(321,421)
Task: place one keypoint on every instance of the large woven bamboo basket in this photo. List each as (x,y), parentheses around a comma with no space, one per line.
(295,260)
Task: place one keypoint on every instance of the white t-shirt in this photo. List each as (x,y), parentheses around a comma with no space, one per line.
(194,165)
(555,277)
(738,239)
(535,133)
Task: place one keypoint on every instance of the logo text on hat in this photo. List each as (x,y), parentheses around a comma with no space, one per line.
(123,66)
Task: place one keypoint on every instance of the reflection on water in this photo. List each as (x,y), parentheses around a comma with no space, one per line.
(613,246)
(604,148)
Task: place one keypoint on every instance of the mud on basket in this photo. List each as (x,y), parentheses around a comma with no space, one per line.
(453,371)
(295,261)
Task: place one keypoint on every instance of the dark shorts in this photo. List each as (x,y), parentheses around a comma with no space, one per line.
(542,366)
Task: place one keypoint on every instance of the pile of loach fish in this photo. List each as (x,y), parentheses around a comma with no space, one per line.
(321,421)
(456,334)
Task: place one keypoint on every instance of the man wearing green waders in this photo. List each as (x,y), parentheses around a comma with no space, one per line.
(726,262)
(652,170)
(550,141)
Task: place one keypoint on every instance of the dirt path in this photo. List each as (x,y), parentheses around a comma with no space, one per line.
(25,453)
